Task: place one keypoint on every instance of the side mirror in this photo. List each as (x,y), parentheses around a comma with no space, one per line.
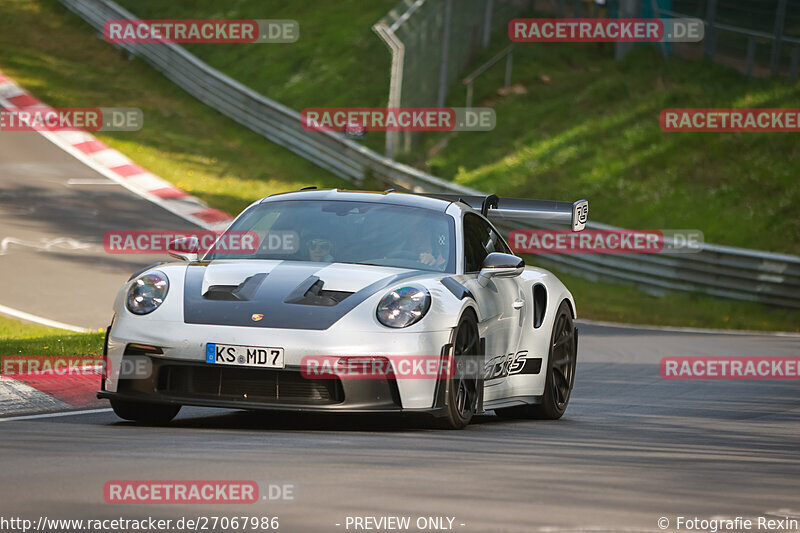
(185,248)
(497,265)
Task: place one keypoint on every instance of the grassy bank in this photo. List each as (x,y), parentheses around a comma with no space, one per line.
(614,302)
(58,58)
(582,125)
(577,124)
(585,127)
(24,338)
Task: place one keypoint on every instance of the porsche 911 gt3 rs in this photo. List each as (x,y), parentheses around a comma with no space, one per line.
(357,276)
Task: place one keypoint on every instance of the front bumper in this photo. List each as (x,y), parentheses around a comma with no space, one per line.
(183,358)
(188,383)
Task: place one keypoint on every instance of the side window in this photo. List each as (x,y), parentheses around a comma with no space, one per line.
(480,239)
(474,252)
(498,244)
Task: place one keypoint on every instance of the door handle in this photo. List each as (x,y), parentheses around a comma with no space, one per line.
(519,304)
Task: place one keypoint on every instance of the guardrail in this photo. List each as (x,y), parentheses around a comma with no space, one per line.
(716,270)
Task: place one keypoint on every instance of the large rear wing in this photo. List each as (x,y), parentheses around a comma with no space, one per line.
(573,214)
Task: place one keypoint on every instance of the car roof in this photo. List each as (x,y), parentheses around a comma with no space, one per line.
(388,197)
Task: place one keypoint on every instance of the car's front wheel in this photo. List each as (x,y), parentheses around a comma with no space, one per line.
(146,413)
(462,389)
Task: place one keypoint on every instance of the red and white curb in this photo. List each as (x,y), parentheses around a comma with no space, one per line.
(39,393)
(116,166)
(17,397)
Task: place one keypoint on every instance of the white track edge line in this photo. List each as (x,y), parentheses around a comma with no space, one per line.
(55,415)
(679,329)
(16,313)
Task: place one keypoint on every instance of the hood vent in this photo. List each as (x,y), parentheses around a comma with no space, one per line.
(236,293)
(311,292)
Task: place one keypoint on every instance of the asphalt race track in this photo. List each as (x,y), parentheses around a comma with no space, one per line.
(54,211)
(631,449)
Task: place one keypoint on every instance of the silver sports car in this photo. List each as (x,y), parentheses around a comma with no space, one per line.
(351,301)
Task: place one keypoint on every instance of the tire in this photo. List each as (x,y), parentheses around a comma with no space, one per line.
(147,413)
(462,390)
(561,361)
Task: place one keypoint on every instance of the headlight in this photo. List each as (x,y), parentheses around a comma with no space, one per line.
(147,293)
(403,307)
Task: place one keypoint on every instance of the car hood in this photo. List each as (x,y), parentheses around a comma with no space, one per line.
(282,294)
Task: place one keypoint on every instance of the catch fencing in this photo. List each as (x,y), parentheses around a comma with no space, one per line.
(432,42)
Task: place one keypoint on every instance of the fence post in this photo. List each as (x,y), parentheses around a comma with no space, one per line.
(711,31)
(509,66)
(448,13)
(780,22)
(795,61)
(657,14)
(751,55)
(627,9)
(487,23)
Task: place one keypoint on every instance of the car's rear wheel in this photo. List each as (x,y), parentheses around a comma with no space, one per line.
(146,413)
(462,389)
(561,362)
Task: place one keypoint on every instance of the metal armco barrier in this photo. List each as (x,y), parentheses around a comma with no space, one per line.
(716,270)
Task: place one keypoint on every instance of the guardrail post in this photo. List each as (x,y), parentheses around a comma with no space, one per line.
(780,22)
(509,66)
(711,31)
(657,14)
(448,15)
(626,9)
(751,55)
(487,23)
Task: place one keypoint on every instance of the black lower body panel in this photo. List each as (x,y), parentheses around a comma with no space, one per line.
(234,387)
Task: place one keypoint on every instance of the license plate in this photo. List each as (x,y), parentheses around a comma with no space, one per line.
(258,356)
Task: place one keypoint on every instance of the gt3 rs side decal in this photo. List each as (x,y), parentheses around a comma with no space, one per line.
(512,364)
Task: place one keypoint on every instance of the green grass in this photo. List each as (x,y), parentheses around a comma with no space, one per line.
(587,127)
(590,131)
(58,58)
(338,61)
(24,338)
(617,302)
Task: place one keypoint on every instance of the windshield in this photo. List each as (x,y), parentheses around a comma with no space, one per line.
(349,232)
